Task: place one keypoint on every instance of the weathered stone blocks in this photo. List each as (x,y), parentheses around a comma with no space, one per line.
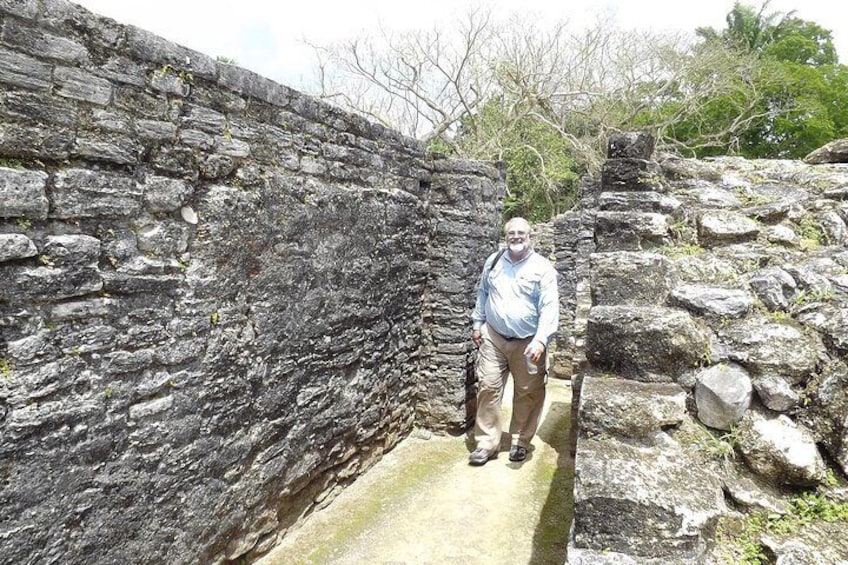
(662,507)
(650,344)
(86,193)
(722,394)
(16,246)
(23,193)
(631,278)
(629,409)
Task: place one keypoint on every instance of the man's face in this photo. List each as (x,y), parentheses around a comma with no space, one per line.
(518,237)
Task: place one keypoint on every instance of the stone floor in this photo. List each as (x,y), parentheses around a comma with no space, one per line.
(423,504)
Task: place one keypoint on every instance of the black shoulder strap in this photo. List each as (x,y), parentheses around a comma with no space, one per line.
(495,262)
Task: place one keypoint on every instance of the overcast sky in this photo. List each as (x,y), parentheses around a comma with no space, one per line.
(267,36)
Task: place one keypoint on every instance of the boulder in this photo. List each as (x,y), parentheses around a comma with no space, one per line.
(661,508)
(712,301)
(629,409)
(779,450)
(722,395)
(834,152)
(649,344)
(720,227)
(766,347)
(775,393)
(631,278)
(774,287)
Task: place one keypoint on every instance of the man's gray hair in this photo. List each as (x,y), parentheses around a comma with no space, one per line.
(516,220)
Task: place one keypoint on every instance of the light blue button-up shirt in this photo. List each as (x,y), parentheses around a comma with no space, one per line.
(518,299)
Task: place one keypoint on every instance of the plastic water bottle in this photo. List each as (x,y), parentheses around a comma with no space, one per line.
(531,366)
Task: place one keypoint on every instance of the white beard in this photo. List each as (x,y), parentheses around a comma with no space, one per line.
(517,248)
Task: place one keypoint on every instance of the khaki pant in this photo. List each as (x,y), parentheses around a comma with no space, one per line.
(496,359)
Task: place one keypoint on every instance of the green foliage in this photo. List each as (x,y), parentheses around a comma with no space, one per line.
(6,368)
(226,60)
(542,175)
(804,509)
(792,102)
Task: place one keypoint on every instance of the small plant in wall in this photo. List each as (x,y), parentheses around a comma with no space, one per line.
(6,368)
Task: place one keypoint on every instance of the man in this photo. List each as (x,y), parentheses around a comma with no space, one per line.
(516,315)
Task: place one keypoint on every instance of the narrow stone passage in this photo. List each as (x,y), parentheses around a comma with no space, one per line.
(423,504)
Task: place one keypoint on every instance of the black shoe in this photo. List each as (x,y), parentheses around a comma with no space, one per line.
(480,455)
(517,453)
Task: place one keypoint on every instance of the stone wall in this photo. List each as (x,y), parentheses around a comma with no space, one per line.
(713,373)
(221,300)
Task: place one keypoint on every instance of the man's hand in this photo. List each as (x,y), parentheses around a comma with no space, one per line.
(534,350)
(476,338)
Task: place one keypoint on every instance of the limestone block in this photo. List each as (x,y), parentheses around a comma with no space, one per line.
(629,409)
(705,269)
(146,46)
(72,250)
(633,145)
(112,148)
(723,395)
(630,231)
(647,502)
(835,231)
(156,130)
(23,193)
(77,84)
(640,175)
(834,152)
(774,287)
(639,202)
(831,321)
(21,8)
(163,194)
(775,393)
(752,493)
(37,348)
(712,301)
(205,119)
(38,142)
(766,347)
(16,246)
(711,196)
(649,344)
(783,235)
(631,278)
(82,309)
(720,227)
(123,71)
(41,43)
(84,193)
(24,71)
(779,450)
(163,238)
(232,147)
(40,107)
